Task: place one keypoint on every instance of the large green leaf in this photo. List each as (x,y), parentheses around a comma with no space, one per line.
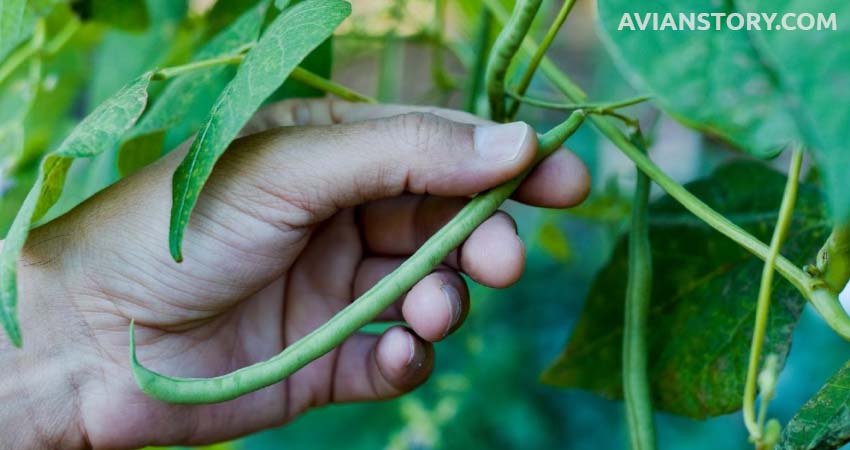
(99,131)
(757,89)
(286,42)
(186,101)
(813,68)
(824,421)
(703,298)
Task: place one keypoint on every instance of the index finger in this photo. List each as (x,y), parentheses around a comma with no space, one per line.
(560,181)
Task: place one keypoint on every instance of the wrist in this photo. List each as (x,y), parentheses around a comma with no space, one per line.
(39,398)
(40,382)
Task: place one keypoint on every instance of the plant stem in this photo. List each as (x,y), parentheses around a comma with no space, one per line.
(786,211)
(360,312)
(824,301)
(176,71)
(299,73)
(573,106)
(636,389)
(442,80)
(343,92)
(32,47)
(62,37)
(389,64)
(476,72)
(525,81)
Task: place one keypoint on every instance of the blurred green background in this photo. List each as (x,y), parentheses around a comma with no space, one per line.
(484,392)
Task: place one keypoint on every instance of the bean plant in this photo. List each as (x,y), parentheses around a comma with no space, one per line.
(689,339)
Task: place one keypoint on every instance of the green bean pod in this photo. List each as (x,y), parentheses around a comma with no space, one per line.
(359,313)
(506,46)
(636,389)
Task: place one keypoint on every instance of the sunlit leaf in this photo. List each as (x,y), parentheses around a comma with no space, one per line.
(285,43)
(759,89)
(101,130)
(181,108)
(11,25)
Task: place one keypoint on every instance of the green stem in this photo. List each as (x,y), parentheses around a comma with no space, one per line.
(786,212)
(389,86)
(299,73)
(176,71)
(360,312)
(62,37)
(636,389)
(343,92)
(595,106)
(438,70)
(503,51)
(476,72)
(525,81)
(32,47)
(824,302)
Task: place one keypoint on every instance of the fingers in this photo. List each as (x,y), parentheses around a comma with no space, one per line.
(375,368)
(329,111)
(435,307)
(303,175)
(493,254)
(559,181)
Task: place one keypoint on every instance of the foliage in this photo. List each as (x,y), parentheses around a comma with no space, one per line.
(699,340)
(93,91)
(759,90)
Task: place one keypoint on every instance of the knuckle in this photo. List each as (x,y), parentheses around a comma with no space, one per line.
(422,131)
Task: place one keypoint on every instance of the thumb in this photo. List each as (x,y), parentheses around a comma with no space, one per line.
(308,173)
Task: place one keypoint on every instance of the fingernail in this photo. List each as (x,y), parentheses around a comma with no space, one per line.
(452,297)
(414,360)
(500,143)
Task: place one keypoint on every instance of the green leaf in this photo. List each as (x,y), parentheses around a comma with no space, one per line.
(758,90)
(131,15)
(711,80)
(101,130)
(187,100)
(12,25)
(824,421)
(139,151)
(814,73)
(703,306)
(11,145)
(319,62)
(224,12)
(289,38)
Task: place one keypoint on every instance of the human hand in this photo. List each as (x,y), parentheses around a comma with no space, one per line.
(293,225)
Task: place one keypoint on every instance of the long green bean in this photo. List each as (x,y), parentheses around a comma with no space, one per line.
(360,312)
(503,51)
(823,299)
(636,390)
(525,81)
